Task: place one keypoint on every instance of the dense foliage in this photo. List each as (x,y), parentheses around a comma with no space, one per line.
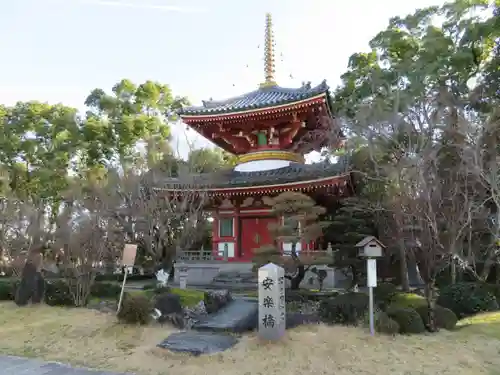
(466,299)
(349,309)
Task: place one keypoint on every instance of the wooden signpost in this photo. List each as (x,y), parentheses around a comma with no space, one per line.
(128,260)
(371,248)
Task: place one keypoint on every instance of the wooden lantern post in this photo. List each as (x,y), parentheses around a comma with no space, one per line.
(371,249)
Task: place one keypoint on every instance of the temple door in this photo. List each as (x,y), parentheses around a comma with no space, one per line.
(254,234)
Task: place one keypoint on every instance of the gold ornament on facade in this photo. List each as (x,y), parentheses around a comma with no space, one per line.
(271,155)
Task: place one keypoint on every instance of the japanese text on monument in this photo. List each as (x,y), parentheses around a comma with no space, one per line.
(272,317)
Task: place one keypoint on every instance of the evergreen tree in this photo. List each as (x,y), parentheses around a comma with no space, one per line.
(298,220)
(350,224)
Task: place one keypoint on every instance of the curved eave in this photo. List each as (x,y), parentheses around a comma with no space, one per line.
(340,181)
(270,109)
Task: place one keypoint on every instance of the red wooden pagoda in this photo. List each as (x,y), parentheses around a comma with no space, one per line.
(270,130)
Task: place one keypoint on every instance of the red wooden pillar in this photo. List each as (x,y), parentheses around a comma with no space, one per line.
(215,234)
(236,223)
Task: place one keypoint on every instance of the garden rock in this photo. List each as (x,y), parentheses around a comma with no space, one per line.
(178,320)
(194,314)
(237,316)
(216,300)
(168,303)
(198,343)
(169,310)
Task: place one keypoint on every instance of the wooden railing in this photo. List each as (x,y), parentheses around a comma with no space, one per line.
(195,255)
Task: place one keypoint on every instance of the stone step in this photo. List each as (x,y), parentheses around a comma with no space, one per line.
(10,365)
(198,343)
(237,316)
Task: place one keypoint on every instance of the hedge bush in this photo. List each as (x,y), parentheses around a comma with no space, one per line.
(384,294)
(7,290)
(58,293)
(408,300)
(443,317)
(105,290)
(135,309)
(408,319)
(466,299)
(384,324)
(119,277)
(305,295)
(349,309)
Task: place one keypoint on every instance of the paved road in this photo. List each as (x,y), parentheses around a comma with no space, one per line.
(24,366)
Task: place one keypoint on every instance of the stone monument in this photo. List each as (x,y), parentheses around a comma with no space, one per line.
(183,278)
(272,308)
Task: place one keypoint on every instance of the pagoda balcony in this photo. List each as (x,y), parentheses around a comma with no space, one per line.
(202,255)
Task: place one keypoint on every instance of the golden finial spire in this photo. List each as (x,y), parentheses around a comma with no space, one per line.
(269,53)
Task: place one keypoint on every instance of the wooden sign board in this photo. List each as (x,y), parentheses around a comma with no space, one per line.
(129,253)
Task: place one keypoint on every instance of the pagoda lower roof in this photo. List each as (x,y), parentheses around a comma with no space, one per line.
(264,97)
(295,174)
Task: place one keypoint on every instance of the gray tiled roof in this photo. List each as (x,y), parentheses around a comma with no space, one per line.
(260,98)
(229,178)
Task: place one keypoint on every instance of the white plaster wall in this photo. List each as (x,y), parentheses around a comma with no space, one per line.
(230,249)
(261,165)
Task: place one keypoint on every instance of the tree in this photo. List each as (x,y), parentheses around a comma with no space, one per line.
(116,123)
(409,98)
(206,160)
(160,222)
(297,220)
(351,223)
(413,100)
(83,241)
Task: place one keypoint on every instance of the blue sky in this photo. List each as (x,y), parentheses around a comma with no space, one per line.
(58,50)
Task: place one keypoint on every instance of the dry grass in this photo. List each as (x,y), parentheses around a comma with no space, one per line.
(92,339)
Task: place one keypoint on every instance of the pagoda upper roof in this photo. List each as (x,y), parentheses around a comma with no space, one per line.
(264,97)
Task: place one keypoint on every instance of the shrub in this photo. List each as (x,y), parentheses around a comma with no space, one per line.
(466,299)
(443,317)
(7,290)
(135,309)
(349,308)
(305,295)
(150,286)
(384,294)
(161,289)
(408,300)
(105,290)
(384,324)
(58,293)
(189,297)
(119,277)
(493,289)
(408,319)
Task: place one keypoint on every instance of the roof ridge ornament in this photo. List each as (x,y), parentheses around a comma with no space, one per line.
(269,58)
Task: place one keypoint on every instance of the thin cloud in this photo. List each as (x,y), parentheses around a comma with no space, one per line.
(162,8)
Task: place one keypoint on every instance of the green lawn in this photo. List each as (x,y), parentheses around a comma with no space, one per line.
(487,324)
(189,297)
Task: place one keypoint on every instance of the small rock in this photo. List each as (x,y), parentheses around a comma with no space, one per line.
(176,319)
(216,300)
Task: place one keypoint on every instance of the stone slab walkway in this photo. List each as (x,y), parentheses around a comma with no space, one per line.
(25,366)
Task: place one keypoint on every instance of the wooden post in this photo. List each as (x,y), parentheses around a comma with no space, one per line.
(123,290)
